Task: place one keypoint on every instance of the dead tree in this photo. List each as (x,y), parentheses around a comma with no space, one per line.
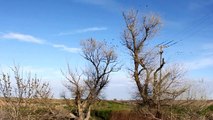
(154,83)
(86,88)
(136,34)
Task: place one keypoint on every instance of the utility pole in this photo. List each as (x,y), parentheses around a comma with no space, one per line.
(158,114)
(161,58)
(161,47)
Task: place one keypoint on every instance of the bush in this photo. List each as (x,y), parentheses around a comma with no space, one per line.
(101,114)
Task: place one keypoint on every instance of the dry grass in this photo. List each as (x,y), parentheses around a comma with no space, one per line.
(117,110)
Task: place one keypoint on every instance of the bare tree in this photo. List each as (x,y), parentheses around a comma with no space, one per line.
(154,83)
(19,96)
(86,88)
(134,38)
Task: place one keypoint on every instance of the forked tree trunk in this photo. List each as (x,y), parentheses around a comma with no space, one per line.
(88,114)
(81,113)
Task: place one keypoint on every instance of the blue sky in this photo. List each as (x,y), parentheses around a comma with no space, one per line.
(43,35)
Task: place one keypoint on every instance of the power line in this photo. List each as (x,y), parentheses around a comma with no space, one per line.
(193,29)
(188,31)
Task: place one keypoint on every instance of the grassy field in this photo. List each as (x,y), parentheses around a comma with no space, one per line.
(102,110)
(119,110)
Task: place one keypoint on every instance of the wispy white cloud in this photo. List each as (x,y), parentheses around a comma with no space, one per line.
(43,72)
(35,40)
(203,58)
(65,48)
(91,29)
(22,37)
(207,49)
(121,84)
(208,46)
(201,63)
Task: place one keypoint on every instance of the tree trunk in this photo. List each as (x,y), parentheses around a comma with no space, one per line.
(88,114)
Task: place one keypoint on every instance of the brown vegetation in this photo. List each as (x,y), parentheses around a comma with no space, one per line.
(154,82)
(19,97)
(87,86)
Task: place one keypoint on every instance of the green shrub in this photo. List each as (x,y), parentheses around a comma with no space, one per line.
(210,108)
(206,111)
(101,114)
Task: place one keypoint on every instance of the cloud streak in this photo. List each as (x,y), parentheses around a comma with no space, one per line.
(85,30)
(208,46)
(22,38)
(65,48)
(200,63)
(31,39)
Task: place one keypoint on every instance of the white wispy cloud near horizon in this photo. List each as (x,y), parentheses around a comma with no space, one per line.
(52,75)
(22,38)
(198,64)
(31,39)
(203,58)
(207,46)
(84,30)
(208,49)
(65,48)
